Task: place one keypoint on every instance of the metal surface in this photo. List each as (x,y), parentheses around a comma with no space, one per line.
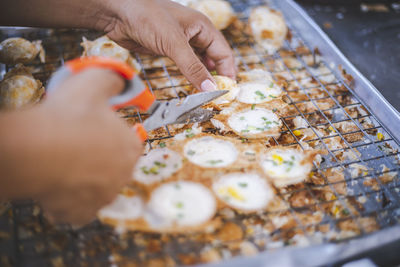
(26,239)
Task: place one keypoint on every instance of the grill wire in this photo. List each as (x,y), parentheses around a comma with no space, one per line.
(27,239)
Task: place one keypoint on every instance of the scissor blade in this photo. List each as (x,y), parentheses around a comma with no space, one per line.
(165,113)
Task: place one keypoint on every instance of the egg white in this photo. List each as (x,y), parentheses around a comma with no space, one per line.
(254,121)
(157,165)
(180,203)
(210,152)
(285,166)
(123,208)
(243,191)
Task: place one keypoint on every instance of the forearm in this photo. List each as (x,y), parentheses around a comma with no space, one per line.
(93,14)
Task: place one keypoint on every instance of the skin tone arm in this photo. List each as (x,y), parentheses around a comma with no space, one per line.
(159,27)
(71,152)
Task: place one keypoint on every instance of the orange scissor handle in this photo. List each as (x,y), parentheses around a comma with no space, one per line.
(141,99)
(140,132)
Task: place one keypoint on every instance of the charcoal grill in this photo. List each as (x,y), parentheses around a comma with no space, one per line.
(27,239)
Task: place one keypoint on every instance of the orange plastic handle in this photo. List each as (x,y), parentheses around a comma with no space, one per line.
(79,64)
(141,132)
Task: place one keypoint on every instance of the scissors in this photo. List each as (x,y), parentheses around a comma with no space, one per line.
(138,95)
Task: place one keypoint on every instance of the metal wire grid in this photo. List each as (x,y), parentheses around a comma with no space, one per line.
(382,203)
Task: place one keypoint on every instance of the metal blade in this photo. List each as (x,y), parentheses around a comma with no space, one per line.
(196,115)
(170,112)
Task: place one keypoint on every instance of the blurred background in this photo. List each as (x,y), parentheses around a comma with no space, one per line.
(368,34)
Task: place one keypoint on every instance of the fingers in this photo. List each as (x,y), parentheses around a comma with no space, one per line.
(191,66)
(92,85)
(212,43)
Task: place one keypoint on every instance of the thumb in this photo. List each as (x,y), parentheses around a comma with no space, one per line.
(191,67)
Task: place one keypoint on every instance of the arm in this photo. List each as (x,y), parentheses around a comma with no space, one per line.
(160,27)
(72,153)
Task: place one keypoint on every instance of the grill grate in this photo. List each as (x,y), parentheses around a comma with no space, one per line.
(26,238)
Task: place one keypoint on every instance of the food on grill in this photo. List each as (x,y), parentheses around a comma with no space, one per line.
(180,204)
(257,86)
(157,165)
(220,12)
(243,191)
(122,208)
(105,47)
(268,28)
(287,166)
(20,50)
(226,83)
(210,152)
(255,123)
(19,88)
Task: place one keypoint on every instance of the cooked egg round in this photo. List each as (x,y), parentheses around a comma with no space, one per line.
(268,28)
(210,152)
(226,83)
(123,208)
(258,92)
(19,50)
(243,191)
(285,166)
(157,165)
(220,12)
(254,122)
(180,203)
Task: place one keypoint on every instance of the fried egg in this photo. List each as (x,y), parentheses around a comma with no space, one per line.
(20,50)
(255,123)
(220,12)
(210,152)
(180,203)
(157,165)
(19,88)
(258,92)
(243,191)
(268,28)
(286,166)
(123,208)
(105,47)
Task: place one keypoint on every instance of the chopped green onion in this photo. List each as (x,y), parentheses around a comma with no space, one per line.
(191,152)
(145,170)
(272,96)
(274,110)
(242,184)
(242,118)
(261,95)
(190,135)
(215,162)
(177,186)
(179,205)
(253,106)
(271,85)
(160,164)
(162,145)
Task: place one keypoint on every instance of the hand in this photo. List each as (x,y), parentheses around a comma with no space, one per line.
(75,152)
(166,28)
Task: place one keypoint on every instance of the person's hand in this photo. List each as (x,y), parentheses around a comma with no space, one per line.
(75,153)
(166,28)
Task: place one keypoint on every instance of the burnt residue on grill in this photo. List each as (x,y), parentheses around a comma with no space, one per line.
(354,191)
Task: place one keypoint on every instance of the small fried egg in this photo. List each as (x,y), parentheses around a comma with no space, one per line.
(220,12)
(257,93)
(255,122)
(210,152)
(243,191)
(286,166)
(268,28)
(20,50)
(157,165)
(123,208)
(180,203)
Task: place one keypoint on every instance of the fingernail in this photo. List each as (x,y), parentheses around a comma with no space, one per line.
(208,85)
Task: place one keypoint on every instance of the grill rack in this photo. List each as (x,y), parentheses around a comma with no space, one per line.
(22,223)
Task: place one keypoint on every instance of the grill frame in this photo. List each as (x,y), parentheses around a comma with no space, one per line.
(299,22)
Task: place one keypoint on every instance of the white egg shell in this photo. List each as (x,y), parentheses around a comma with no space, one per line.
(210,152)
(157,165)
(180,203)
(243,191)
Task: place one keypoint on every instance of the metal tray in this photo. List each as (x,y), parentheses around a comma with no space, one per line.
(27,230)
